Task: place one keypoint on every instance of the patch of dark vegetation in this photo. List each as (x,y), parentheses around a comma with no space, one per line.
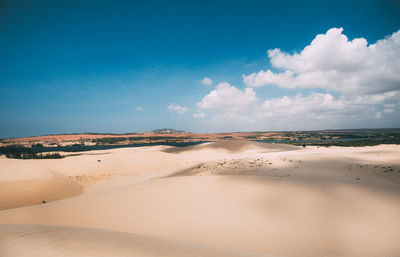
(352,143)
(37,145)
(355,137)
(110,140)
(226,137)
(22,152)
(253,137)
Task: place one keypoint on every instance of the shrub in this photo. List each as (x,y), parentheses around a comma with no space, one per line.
(22,152)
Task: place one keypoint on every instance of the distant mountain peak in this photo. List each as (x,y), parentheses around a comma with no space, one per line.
(168,131)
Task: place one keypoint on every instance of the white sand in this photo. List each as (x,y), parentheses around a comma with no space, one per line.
(215,199)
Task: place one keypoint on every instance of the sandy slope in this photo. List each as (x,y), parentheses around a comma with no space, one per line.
(218,199)
(22,184)
(39,240)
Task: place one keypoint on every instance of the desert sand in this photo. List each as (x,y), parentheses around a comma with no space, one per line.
(229,198)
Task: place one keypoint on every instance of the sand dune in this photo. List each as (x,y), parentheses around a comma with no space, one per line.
(235,146)
(233,199)
(22,184)
(237,212)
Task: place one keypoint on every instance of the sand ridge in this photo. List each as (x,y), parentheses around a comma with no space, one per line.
(235,146)
(22,184)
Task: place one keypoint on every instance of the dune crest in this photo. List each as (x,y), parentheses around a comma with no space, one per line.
(22,185)
(234,147)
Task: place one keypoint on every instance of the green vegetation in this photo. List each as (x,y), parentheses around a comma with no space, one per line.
(226,137)
(21,152)
(346,138)
(109,140)
(252,137)
(353,143)
(37,145)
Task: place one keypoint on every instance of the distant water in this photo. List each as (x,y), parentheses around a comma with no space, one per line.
(82,148)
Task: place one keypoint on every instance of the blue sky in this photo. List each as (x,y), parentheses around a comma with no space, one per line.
(129,66)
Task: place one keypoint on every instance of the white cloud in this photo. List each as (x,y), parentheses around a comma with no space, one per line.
(199,115)
(237,110)
(228,98)
(139,109)
(389,105)
(206,81)
(177,108)
(317,104)
(351,84)
(333,62)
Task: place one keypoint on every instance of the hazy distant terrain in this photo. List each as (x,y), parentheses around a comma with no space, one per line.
(321,137)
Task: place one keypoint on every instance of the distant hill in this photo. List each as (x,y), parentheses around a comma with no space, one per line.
(168,131)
